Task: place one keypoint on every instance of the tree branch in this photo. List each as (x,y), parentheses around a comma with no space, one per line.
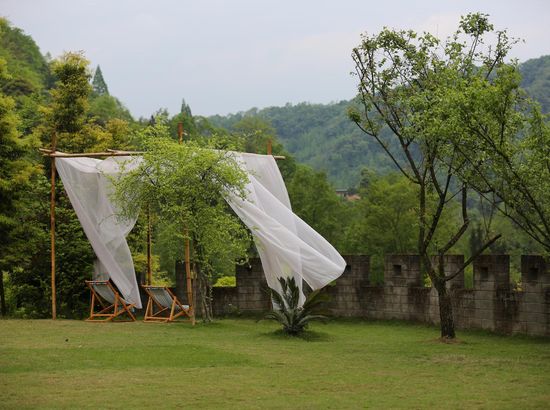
(471,258)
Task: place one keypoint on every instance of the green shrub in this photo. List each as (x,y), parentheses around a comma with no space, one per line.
(226,282)
(289,314)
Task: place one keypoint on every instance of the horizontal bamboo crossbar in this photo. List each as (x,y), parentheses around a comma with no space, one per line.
(108,153)
(91,154)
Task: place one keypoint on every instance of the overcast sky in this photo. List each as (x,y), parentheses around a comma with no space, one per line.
(228,56)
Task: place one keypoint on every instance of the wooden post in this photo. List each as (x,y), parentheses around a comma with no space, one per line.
(3,309)
(149,262)
(52,227)
(180,132)
(189,284)
(188,277)
(269,146)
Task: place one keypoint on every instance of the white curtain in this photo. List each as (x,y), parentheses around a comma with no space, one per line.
(88,186)
(287,245)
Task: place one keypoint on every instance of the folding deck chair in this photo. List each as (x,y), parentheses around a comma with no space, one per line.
(111,304)
(163,305)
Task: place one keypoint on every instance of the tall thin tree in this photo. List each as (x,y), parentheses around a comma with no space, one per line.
(99,86)
(403,79)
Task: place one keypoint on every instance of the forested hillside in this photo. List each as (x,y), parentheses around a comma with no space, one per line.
(321,135)
(28,69)
(536,80)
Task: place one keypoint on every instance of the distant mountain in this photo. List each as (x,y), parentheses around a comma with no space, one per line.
(322,136)
(28,69)
(536,80)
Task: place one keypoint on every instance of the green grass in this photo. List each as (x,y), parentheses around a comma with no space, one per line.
(243,364)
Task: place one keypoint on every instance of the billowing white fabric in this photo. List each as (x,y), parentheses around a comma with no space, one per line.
(88,186)
(287,245)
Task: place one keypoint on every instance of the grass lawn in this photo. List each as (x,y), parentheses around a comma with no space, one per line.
(243,364)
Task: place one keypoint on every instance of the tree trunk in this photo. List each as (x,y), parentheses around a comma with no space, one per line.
(445,310)
(211,301)
(205,297)
(181,287)
(3,309)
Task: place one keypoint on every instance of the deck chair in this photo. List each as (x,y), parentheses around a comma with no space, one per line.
(111,304)
(163,305)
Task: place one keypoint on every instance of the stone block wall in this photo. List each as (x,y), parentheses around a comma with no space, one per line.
(347,292)
(249,296)
(531,306)
(493,304)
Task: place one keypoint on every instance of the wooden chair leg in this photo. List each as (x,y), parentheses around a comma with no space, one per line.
(128,309)
(172,310)
(148,309)
(92,303)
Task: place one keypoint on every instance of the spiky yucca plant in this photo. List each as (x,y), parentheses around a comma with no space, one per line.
(292,317)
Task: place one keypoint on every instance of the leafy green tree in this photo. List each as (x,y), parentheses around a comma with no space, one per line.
(70,95)
(256,133)
(401,77)
(190,127)
(104,108)
(314,200)
(185,108)
(99,86)
(67,112)
(81,123)
(385,220)
(503,145)
(183,184)
(16,172)
(253,134)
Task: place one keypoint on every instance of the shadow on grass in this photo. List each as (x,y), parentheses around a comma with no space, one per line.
(307,336)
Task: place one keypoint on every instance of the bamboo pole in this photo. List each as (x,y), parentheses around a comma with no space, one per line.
(52,228)
(3,308)
(149,245)
(53,154)
(110,153)
(189,284)
(180,132)
(269,146)
(188,276)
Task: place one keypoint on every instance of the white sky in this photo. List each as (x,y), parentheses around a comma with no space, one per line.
(229,56)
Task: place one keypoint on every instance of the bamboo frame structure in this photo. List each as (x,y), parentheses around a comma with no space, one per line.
(52,153)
